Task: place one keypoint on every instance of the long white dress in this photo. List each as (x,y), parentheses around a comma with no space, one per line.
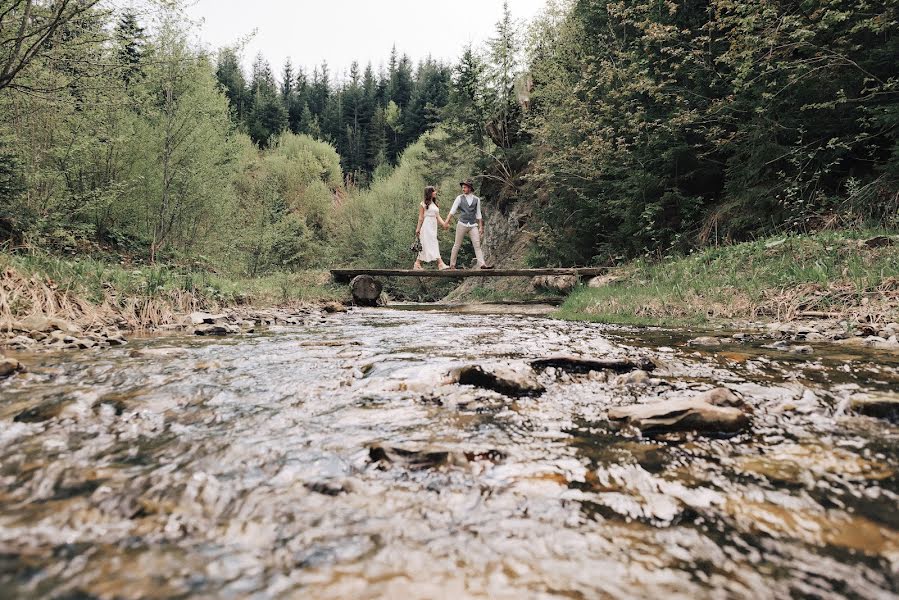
(430,249)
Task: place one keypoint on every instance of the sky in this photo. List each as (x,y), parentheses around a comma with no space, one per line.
(340,31)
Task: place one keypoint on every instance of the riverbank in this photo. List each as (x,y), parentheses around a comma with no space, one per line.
(847,277)
(51,301)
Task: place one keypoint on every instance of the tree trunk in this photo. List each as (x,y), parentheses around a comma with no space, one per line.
(366,290)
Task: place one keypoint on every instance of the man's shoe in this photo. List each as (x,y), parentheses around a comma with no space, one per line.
(486,267)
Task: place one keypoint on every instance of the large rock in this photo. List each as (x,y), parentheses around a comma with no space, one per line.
(576,364)
(687,414)
(44,411)
(502,379)
(366,290)
(883,405)
(562,284)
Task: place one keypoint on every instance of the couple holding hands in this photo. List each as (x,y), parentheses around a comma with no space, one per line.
(470,223)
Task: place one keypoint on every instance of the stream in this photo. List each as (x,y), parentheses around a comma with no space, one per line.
(253,466)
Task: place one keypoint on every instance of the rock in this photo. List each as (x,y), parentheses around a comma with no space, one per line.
(687,414)
(333,307)
(41,324)
(200,318)
(8,366)
(366,290)
(800,350)
(638,377)
(878,241)
(21,342)
(883,405)
(603,280)
(575,364)
(502,379)
(704,341)
(563,284)
(116,340)
(429,458)
(85,343)
(720,397)
(815,337)
(43,411)
(215,329)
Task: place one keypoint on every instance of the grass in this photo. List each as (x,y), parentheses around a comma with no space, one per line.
(92,290)
(777,278)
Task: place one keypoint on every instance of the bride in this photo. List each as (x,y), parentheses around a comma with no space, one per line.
(428,219)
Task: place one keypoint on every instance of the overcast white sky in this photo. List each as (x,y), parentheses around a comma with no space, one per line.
(340,31)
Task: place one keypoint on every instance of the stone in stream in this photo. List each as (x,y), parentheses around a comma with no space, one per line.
(575,364)
(200,318)
(8,366)
(428,458)
(701,413)
(215,329)
(502,379)
(333,307)
(43,412)
(882,405)
(707,341)
(366,290)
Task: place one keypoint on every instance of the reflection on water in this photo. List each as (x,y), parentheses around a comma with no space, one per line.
(336,461)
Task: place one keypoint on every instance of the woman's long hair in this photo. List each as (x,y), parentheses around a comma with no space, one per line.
(429,196)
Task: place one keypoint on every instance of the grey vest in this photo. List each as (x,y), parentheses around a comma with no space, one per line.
(468,214)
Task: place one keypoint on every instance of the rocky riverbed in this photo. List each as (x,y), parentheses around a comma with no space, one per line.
(386,453)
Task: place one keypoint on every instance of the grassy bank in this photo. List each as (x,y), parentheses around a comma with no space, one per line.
(783,278)
(87,289)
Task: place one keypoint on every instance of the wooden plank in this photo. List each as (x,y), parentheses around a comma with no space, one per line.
(348,274)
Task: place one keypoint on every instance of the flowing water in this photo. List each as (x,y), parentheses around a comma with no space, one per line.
(247,467)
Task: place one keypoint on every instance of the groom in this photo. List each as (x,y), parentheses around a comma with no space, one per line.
(470,223)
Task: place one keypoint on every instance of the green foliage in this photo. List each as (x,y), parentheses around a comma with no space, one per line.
(662,125)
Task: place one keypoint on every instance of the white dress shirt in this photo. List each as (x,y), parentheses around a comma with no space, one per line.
(470,199)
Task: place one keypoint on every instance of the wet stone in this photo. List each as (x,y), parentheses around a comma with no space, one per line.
(502,379)
(44,411)
(688,414)
(9,366)
(706,341)
(882,405)
(429,458)
(576,364)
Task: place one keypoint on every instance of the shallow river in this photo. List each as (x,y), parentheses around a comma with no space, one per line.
(247,467)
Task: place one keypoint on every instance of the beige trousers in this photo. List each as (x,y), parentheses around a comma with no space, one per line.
(475,235)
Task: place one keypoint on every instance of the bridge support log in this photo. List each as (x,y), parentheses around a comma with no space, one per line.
(366,290)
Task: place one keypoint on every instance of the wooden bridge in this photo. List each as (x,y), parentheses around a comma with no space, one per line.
(346,275)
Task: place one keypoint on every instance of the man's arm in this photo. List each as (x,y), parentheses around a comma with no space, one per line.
(452,212)
(480,219)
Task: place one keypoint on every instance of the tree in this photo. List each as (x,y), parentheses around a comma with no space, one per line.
(29,30)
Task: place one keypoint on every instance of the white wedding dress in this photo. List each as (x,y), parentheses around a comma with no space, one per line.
(430,249)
